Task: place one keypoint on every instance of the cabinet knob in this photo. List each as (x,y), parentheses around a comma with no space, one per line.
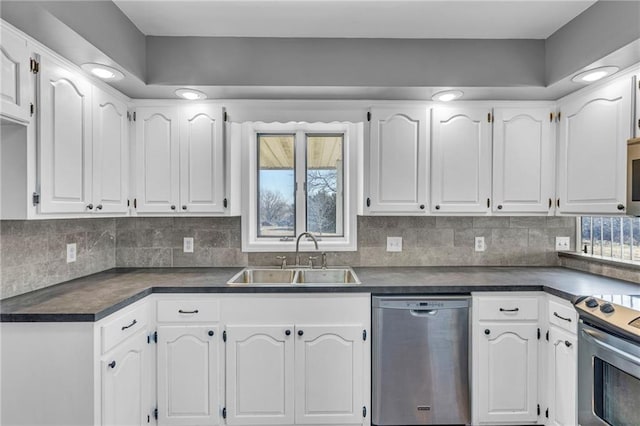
(437,206)
(421,206)
(620,206)
(112,364)
(99,207)
(90,206)
(173,207)
(184,207)
(287,332)
(567,343)
(499,206)
(210,333)
(487,331)
(300,332)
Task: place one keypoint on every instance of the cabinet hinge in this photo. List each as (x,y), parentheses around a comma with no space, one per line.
(639,123)
(558,116)
(558,203)
(153,337)
(224,412)
(369,116)
(547,335)
(490,118)
(155,413)
(546,413)
(488,202)
(135,203)
(128,202)
(148,418)
(225,116)
(34,66)
(36,198)
(538,334)
(224,336)
(225,203)
(368,202)
(134,116)
(551,117)
(538,409)
(32,109)
(364,411)
(364,335)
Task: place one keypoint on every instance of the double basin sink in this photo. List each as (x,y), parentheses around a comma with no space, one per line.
(295,277)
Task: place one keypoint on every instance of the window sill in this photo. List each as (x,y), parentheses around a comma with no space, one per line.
(626,264)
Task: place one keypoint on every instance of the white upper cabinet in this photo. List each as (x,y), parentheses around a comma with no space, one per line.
(180,159)
(65,140)
(157,159)
(523,161)
(594,129)
(202,159)
(14,80)
(398,161)
(110,147)
(461,160)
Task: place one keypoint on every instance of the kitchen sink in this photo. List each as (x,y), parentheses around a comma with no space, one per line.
(326,276)
(250,276)
(295,277)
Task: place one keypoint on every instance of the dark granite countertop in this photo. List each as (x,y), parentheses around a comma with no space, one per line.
(96,296)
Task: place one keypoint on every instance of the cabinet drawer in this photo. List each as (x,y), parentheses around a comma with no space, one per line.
(563,316)
(507,308)
(188,310)
(123,326)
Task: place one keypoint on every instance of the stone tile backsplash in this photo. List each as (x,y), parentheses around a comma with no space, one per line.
(33,253)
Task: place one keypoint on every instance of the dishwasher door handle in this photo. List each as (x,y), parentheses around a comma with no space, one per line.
(423,312)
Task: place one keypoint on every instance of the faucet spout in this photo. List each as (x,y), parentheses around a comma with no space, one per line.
(302,234)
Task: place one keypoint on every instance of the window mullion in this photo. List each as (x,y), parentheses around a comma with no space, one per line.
(301,180)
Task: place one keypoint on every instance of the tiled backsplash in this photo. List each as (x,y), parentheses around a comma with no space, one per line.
(33,253)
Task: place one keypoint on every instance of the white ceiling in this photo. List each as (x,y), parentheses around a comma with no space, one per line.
(353,18)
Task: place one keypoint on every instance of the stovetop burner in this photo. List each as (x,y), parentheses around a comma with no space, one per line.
(617,313)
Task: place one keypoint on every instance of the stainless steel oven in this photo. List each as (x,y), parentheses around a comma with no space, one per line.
(633,177)
(608,369)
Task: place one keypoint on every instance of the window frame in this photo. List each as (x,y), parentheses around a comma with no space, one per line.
(634,260)
(352,138)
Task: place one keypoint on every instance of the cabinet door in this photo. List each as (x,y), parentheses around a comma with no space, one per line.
(398,161)
(188,375)
(65,140)
(523,161)
(202,159)
(508,364)
(329,374)
(109,153)
(260,368)
(461,160)
(125,383)
(14,81)
(594,129)
(562,359)
(157,160)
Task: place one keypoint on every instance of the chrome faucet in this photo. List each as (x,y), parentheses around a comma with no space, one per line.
(298,245)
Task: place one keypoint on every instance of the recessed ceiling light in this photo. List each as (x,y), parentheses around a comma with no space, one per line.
(594,74)
(447,95)
(190,94)
(104,72)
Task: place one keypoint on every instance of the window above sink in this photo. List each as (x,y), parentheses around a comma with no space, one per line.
(300,177)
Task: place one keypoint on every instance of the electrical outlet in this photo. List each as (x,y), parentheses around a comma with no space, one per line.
(479,245)
(394,244)
(563,243)
(71,252)
(187,245)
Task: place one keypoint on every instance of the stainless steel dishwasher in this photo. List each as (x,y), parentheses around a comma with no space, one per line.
(421,361)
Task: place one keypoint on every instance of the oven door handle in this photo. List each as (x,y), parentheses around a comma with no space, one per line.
(591,336)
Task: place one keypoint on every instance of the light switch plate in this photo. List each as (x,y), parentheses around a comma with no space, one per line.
(394,244)
(563,243)
(479,244)
(187,245)
(71,252)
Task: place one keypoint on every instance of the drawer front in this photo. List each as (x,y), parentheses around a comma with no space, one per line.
(122,326)
(563,316)
(508,308)
(188,310)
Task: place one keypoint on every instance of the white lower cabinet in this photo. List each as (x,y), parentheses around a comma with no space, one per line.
(124,373)
(505,359)
(188,375)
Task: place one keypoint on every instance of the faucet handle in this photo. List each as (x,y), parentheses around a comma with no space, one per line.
(311,259)
(283,260)
(324,260)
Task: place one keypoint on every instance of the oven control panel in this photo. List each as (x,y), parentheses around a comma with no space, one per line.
(611,311)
